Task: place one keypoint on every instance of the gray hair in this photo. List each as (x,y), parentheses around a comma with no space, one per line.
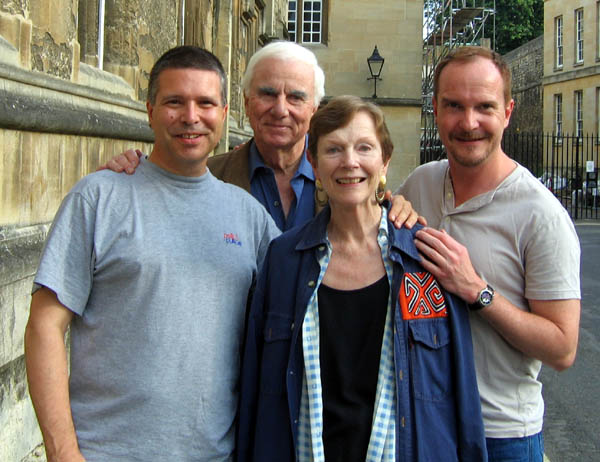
(287,51)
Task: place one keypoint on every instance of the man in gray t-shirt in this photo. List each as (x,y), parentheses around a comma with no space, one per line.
(152,273)
(504,244)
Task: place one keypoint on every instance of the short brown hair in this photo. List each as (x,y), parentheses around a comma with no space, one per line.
(186,57)
(469,53)
(338,113)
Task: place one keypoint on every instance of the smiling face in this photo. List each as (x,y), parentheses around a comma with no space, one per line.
(187,118)
(350,163)
(470,111)
(280,103)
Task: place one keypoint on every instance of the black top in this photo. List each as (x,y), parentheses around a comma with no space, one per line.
(351,326)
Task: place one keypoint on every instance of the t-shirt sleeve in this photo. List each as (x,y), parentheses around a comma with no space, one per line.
(552,260)
(67,260)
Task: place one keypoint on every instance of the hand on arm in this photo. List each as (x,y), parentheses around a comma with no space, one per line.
(402,213)
(48,376)
(125,162)
(548,332)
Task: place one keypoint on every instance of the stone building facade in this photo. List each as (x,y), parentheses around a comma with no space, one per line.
(351,30)
(73,78)
(572,67)
(527,67)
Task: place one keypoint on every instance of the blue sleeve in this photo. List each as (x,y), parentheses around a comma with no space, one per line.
(250,368)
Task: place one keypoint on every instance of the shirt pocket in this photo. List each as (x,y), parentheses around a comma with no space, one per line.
(430,358)
(276,351)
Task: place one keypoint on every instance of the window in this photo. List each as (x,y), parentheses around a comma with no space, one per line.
(597,112)
(558,119)
(90,30)
(311,22)
(597,30)
(292,12)
(558,35)
(579,113)
(579,35)
(306,21)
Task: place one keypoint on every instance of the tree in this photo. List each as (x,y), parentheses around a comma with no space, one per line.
(517,22)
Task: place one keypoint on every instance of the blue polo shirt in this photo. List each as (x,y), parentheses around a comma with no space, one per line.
(263,187)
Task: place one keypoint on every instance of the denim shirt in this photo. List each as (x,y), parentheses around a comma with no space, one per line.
(438,410)
(263,187)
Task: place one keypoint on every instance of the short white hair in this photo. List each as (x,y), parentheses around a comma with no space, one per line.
(287,51)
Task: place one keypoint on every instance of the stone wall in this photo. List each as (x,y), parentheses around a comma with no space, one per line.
(64,111)
(527,67)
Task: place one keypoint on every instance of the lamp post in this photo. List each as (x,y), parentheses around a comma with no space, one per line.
(375,62)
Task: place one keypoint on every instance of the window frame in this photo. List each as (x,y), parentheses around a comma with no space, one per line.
(292,19)
(298,18)
(597,114)
(578,113)
(598,30)
(312,22)
(558,114)
(558,42)
(579,35)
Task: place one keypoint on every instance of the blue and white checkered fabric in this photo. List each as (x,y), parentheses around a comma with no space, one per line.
(310,430)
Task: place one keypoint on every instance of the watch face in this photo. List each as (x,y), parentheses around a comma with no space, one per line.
(486,297)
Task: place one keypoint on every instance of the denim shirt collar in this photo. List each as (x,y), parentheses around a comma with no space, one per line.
(256,161)
(401,240)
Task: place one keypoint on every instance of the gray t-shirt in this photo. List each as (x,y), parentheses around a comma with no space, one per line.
(158,268)
(522,242)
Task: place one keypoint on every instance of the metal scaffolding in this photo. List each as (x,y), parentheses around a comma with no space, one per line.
(448,24)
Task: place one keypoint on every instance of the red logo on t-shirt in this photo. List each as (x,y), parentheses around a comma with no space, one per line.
(421,297)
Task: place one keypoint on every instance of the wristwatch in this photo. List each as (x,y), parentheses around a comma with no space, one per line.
(484,299)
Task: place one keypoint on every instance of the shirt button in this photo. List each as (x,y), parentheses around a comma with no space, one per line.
(291,372)
(292,326)
(311,283)
(276,203)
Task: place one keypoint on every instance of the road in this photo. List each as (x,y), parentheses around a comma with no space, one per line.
(572,418)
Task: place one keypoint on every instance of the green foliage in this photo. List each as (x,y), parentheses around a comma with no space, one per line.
(517,22)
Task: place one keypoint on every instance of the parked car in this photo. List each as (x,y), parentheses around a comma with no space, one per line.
(553,182)
(588,195)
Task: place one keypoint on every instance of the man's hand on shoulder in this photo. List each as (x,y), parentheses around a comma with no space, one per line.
(125,162)
(401,212)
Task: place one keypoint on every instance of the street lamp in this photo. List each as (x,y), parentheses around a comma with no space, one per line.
(375,62)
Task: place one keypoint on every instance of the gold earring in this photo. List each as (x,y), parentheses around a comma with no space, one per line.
(380,192)
(320,194)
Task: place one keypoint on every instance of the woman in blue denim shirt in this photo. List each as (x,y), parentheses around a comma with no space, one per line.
(353,351)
